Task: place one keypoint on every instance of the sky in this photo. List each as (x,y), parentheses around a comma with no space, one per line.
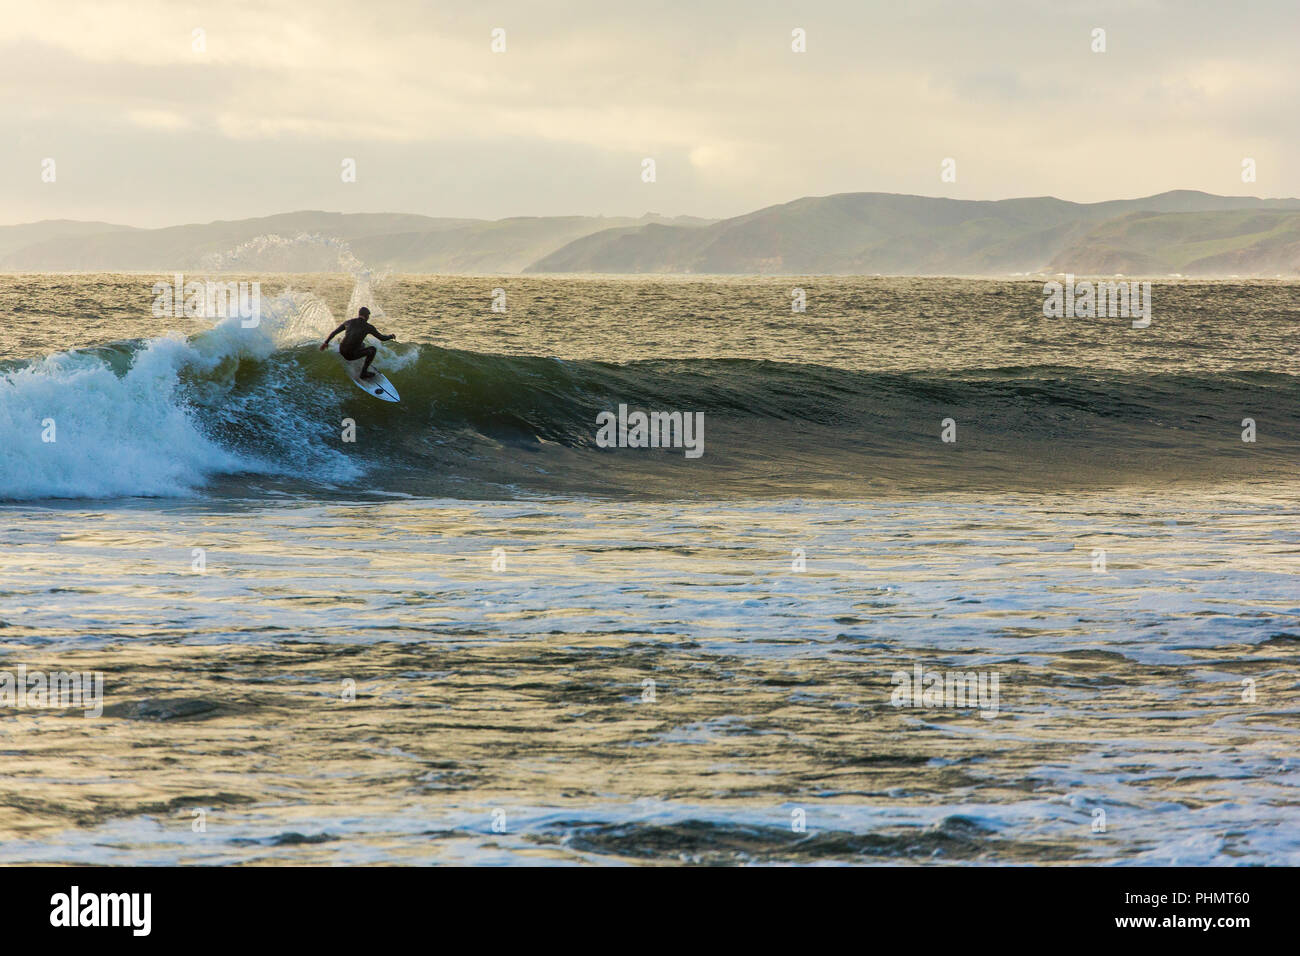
(149,123)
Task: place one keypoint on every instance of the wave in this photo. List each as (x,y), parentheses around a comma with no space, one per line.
(246,412)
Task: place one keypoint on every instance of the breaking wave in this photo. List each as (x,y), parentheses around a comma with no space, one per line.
(250,411)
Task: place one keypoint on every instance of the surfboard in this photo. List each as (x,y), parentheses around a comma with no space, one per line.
(376,385)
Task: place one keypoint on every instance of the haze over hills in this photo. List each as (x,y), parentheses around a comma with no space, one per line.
(854,233)
(15,238)
(1183,231)
(404,242)
(1232,242)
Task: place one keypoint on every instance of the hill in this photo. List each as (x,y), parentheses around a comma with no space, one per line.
(1182,231)
(855,233)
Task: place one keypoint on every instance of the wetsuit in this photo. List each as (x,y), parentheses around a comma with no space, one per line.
(354,334)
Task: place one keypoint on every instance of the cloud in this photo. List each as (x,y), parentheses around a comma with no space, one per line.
(158,119)
(713,92)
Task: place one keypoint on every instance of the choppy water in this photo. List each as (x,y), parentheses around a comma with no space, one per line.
(500,590)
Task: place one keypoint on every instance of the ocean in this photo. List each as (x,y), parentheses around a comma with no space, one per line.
(937,580)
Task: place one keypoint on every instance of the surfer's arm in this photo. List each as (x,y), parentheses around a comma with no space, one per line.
(371,330)
(331,335)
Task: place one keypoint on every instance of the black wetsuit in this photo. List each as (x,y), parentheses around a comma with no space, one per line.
(354,334)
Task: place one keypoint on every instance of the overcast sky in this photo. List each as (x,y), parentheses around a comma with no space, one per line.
(146,130)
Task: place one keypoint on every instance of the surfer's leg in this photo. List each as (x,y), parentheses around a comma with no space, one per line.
(369,353)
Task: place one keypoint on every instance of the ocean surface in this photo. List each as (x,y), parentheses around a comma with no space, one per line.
(461,629)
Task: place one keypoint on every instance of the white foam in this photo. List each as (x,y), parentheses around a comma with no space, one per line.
(133,434)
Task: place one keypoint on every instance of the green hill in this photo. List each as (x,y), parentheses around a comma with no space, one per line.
(1182,231)
(1236,242)
(854,233)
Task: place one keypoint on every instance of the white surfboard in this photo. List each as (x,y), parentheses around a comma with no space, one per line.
(376,385)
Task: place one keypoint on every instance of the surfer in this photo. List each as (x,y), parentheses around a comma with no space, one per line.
(354,333)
